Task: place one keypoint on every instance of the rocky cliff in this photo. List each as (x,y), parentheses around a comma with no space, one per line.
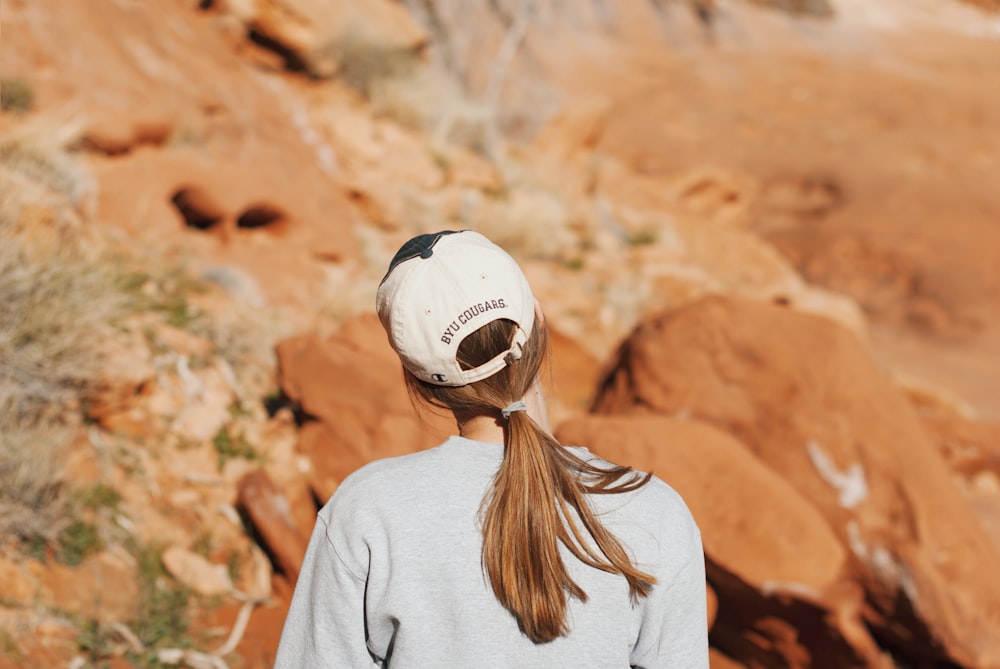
(764,234)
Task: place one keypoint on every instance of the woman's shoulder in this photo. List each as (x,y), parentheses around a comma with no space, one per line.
(656,496)
(652,515)
(661,504)
(672,509)
(382,473)
(390,482)
(658,526)
(361,497)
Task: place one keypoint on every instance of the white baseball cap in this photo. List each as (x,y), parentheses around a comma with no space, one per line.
(441,287)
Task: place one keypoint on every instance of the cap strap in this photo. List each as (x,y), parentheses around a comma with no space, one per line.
(502,360)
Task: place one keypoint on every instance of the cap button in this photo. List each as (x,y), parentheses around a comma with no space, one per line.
(427,253)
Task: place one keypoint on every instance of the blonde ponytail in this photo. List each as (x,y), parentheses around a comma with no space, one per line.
(539,495)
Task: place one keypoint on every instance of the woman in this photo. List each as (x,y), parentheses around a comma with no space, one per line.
(500,547)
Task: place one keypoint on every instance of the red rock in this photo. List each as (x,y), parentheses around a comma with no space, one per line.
(37,638)
(806,398)
(301,502)
(111,139)
(570,377)
(269,513)
(713,605)
(470,170)
(350,385)
(125,380)
(257,646)
(18,584)
(970,446)
(196,572)
(244,142)
(103,587)
(208,396)
(779,570)
(717,660)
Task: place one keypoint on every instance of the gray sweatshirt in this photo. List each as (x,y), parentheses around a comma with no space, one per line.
(393,577)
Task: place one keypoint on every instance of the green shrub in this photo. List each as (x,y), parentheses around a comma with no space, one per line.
(95,640)
(167,293)
(8,644)
(642,237)
(77,541)
(16,95)
(99,496)
(228,447)
(164,616)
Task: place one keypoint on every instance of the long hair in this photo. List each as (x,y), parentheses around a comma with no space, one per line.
(539,495)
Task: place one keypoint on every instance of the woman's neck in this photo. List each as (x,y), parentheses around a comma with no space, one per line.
(490,429)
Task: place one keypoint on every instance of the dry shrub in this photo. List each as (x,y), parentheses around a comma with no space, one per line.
(529,220)
(243,340)
(32,501)
(38,154)
(363,64)
(813,8)
(56,306)
(428,100)
(55,313)
(414,93)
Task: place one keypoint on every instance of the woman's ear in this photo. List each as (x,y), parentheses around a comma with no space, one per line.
(539,315)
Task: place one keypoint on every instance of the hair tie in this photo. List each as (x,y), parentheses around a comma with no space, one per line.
(511,408)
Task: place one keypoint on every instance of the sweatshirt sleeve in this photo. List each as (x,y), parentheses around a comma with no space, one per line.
(325,626)
(674,629)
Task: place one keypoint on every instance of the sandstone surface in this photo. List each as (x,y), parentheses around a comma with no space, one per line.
(796,574)
(835,428)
